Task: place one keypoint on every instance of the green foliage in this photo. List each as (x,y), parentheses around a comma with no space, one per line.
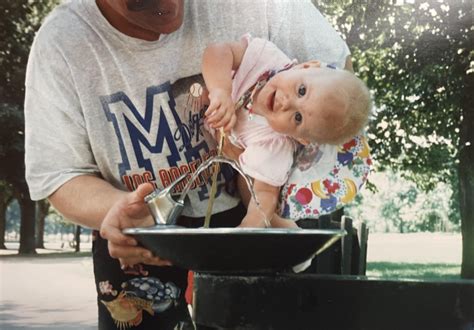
(390,212)
(20,20)
(54,223)
(6,193)
(392,209)
(430,220)
(13,217)
(400,205)
(418,60)
(11,144)
(415,58)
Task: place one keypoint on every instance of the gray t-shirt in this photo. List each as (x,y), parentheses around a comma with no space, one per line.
(101,103)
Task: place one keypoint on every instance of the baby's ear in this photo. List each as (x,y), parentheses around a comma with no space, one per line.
(309,64)
(302,141)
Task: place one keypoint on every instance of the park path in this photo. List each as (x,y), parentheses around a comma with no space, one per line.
(47,293)
(422,248)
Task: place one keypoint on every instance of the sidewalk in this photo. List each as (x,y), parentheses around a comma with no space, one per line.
(47,293)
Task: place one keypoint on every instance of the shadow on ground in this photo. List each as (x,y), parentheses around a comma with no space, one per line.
(12,317)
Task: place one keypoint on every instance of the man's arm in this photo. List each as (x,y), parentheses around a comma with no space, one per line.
(302,32)
(58,157)
(92,202)
(85,200)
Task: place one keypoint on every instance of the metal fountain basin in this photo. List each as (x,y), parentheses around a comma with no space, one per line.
(235,250)
(225,249)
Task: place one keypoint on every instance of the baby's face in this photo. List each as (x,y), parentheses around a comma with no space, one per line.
(296,102)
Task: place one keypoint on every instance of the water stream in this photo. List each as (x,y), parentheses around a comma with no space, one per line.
(236,166)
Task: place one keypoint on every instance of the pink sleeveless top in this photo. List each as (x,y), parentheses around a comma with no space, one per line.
(322,178)
(268,155)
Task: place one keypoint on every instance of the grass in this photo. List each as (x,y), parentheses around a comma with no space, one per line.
(425,271)
(416,256)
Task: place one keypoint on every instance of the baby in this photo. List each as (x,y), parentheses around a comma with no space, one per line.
(271,105)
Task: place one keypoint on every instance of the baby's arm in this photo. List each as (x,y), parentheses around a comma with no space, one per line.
(219,60)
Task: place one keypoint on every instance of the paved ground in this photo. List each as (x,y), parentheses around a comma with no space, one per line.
(56,293)
(415,248)
(45,293)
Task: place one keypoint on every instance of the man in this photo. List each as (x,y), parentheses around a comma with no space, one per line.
(114,100)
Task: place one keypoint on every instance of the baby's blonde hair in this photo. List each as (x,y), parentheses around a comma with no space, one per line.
(342,124)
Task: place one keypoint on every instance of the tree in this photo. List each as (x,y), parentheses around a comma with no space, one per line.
(20,20)
(399,205)
(416,58)
(77,239)
(5,199)
(12,217)
(42,209)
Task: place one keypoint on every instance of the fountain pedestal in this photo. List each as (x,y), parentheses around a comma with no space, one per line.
(306,301)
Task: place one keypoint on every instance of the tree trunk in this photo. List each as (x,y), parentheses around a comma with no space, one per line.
(42,208)
(466,195)
(27,228)
(466,178)
(3,223)
(77,238)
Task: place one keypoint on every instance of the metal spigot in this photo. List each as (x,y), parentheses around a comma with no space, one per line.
(164,208)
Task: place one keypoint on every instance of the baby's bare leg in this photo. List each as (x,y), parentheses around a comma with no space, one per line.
(279,222)
(260,215)
(255,219)
(243,190)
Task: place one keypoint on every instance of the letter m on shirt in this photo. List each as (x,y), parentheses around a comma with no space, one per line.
(141,134)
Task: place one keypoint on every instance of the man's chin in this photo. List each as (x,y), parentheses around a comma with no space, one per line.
(167,28)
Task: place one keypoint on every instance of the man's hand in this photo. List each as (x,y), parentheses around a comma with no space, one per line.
(129,211)
(221,112)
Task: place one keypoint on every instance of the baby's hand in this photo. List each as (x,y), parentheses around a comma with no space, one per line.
(221,112)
